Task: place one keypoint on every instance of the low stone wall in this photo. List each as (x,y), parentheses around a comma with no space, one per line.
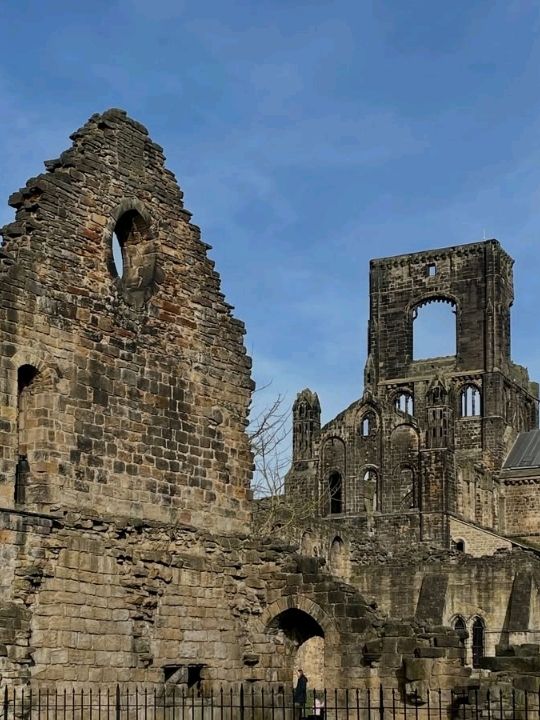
(99,601)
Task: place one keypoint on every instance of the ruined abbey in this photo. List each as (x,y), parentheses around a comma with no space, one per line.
(128,543)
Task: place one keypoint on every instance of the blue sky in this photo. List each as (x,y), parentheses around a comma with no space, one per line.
(308,136)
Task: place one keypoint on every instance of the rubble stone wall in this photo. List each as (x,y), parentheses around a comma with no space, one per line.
(99,601)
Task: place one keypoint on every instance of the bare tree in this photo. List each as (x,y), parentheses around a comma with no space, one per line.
(270,437)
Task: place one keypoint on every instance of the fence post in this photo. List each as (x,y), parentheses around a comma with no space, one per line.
(117,703)
(381,702)
(6,703)
(242,702)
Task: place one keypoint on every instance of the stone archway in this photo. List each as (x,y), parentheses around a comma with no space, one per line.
(302,636)
(303,641)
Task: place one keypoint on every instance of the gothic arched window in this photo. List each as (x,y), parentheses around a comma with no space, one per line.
(460,626)
(403,402)
(478,641)
(368,424)
(470,401)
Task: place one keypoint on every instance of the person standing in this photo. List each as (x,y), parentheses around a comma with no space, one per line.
(300,694)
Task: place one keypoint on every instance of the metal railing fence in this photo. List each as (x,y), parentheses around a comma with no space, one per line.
(250,703)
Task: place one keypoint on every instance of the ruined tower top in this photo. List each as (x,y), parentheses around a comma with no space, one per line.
(124,383)
(475,279)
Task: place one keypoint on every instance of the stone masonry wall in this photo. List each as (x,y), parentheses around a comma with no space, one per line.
(522,506)
(98,601)
(478,542)
(125,390)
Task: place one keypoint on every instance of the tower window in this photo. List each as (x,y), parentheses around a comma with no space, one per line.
(404,403)
(434,328)
(431,270)
(470,401)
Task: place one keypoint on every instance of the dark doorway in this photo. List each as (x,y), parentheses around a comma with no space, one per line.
(305,639)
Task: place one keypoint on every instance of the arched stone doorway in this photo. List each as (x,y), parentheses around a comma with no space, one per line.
(302,640)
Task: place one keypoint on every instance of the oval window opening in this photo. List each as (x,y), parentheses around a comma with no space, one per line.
(133,258)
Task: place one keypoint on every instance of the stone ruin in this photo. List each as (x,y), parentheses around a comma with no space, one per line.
(127,539)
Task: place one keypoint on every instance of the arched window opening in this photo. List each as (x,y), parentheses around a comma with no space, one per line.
(336,557)
(370,490)
(470,401)
(460,545)
(133,256)
(460,626)
(478,641)
(368,424)
(434,329)
(27,376)
(404,403)
(409,500)
(335,488)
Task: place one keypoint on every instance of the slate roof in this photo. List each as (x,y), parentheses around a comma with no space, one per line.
(526,451)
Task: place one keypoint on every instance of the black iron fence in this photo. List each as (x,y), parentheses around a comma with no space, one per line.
(250,703)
